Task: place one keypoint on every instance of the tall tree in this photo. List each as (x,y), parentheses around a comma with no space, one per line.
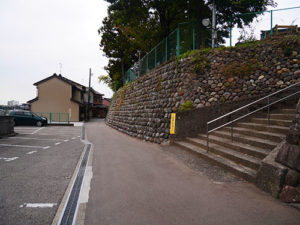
(133,25)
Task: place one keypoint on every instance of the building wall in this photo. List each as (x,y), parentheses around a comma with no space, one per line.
(54,96)
(76,95)
(105,102)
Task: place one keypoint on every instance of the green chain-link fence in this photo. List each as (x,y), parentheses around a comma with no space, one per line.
(179,41)
(55,117)
(185,37)
(264,25)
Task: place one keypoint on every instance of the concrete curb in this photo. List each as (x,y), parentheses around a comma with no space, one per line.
(64,200)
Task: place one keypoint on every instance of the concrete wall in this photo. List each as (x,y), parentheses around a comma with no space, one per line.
(54,96)
(6,125)
(233,76)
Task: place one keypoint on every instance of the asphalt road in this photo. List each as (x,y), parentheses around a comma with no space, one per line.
(35,169)
(138,183)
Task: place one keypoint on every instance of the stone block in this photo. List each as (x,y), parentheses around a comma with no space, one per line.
(290,194)
(289,155)
(292,178)
(271,175)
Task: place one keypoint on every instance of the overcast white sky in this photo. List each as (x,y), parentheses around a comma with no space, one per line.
(37,35)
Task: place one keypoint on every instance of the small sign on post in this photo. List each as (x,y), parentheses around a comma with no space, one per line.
(172,126)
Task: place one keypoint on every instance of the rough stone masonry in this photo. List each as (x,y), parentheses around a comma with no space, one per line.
(143,107)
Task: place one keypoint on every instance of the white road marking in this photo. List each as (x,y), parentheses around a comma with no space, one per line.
(9,159)
(46,147)
(24,128)
(73,138)
(38,205)
(38,130)
(21,146)
(78,136)
(58,143)
(29,153)
(66,140)
(42,139)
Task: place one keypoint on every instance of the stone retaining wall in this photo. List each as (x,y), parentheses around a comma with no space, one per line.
(143,107)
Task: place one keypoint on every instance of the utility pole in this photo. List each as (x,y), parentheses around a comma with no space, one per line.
(87,108)
(213,30)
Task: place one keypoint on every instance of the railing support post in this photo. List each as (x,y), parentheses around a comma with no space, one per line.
(50,117)
(207,140)
(268,110)
(232,132)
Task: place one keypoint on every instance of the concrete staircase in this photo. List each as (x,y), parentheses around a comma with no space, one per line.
(252,141)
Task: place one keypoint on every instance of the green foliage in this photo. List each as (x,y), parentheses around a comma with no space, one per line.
(188,105)
(288,51)
(133,25)
(248,44)
(239,68)
(200,62)
(187,54)
(158,85)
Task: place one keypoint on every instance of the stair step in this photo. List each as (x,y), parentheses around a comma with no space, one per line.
(284,116)
(235,156)
(262,127)
(260,134)
(239,170)
(285,123)
(237,146)
(290,111)
(254,141)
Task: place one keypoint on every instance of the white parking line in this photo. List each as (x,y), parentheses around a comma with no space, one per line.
(58,143)
(38,205)
(29,153)
(21,146)
(9,159)
(42,139)
(73,138)
(46,147)
(38,130)
(66,140)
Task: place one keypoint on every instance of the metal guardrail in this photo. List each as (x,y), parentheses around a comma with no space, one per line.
(250,113)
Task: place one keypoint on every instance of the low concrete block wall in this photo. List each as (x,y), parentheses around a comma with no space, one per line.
(6,125)
(191,122)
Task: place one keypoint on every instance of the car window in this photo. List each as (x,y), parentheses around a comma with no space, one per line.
(19,113)
(27,113)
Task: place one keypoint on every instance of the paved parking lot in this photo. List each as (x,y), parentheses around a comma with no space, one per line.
(36,166)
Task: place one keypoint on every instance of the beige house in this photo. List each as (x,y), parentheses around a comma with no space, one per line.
(60,96)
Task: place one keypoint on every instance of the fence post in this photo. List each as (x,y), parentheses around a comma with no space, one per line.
(194,44)
(178,41)
(271,31)
(155,56)
(166,49)
(230,35)
(68,118)
(50,117)
(147,63)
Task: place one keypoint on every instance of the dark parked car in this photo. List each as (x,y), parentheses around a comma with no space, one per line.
(22,117)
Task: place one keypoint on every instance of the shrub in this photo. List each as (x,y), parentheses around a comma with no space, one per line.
(188,105)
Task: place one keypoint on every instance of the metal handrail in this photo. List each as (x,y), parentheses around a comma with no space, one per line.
(246,106)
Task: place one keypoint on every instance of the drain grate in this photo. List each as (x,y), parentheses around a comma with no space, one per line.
(70,208)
